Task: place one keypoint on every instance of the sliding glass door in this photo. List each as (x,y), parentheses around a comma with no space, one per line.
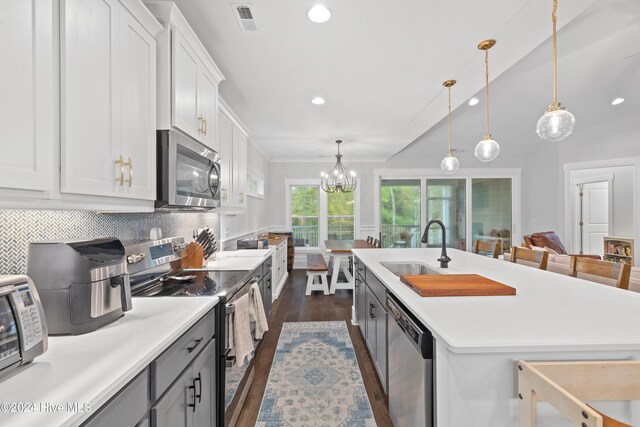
(446,201)
(491,210)
(471,208)
(400,213)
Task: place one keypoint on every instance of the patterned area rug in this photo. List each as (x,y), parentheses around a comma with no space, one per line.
(315,380)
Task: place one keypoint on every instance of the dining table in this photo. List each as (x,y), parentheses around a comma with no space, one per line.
(341,251)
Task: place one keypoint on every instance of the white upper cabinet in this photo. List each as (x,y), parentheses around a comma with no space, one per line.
(233,155)
(185,87)
(27,95)
(188,78)
(108,103)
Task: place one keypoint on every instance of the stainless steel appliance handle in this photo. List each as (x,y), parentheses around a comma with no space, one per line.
(229,308)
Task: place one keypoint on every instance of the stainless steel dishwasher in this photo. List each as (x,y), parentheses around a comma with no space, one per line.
(410,372)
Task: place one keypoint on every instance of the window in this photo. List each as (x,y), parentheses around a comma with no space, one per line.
(304,215)
(400,213)
(315,216)
(446,202)
(492,211)
(340,216)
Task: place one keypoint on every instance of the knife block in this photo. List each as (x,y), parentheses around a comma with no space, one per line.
(193,256)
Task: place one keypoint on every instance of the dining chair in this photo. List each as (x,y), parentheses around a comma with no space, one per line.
(491,248)
(606,272)
(376,243)
(529,257)
(369,240)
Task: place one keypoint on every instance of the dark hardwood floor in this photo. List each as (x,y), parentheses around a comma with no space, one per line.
(294,306)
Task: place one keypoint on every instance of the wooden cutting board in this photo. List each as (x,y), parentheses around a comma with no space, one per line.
(455,285)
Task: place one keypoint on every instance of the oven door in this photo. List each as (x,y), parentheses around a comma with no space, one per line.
(9,339)
(188,173)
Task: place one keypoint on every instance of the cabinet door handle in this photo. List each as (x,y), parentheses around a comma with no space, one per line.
(200,124)
(204,127)
(193,388)
(224,193)
(195,345)
(198,393)
(120,161)
(371,308)
(130,165)
(242,197)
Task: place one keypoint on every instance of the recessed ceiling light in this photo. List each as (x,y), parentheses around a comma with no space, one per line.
(319,14)
(318,100)
(473,101)
(617,101)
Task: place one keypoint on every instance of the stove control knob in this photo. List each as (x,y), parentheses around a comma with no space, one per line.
(135,258)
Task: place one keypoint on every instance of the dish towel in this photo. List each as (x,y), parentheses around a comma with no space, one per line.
(256,313)
(242,342)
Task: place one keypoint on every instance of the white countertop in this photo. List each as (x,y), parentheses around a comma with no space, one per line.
(91,368)
(550,312)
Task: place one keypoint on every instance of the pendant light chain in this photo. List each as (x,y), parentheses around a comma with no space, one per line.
(554,18)
(486,63)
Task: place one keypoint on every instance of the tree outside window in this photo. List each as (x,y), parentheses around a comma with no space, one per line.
(340,216)
(304,215)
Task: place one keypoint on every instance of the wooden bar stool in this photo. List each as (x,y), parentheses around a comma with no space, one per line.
(491,248)
(529,257)
(567,385)
(605,272)
(317,271)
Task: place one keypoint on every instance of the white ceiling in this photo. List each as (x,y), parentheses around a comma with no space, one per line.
(378,63)
(598,60)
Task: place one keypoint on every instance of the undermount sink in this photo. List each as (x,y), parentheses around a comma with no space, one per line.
(402,268)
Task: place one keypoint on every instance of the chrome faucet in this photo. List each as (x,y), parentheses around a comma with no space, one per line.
(444,258)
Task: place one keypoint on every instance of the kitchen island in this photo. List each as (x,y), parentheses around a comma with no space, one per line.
(79,374)
(479,339)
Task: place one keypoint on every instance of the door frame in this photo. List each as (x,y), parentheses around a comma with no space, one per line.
(568,167)
(575,182)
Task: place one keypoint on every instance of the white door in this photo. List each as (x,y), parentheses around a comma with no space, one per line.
(138,108)
(208,108)
(595,216)
(225,132)
(185,87)
(89,31)
(26,109)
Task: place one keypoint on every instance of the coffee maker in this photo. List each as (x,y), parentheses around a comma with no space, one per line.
(83,284)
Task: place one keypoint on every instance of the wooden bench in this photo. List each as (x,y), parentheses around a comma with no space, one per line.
(317,271)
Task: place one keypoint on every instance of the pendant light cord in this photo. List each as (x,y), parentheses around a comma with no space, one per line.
(486,63)
(449,121)
(554,17)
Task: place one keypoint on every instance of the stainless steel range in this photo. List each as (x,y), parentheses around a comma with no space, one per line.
(154,269)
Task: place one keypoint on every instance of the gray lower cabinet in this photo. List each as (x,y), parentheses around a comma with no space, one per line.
(267,295)
(371,313)
(127,408)
(190,401)
(361,303)
(176,390)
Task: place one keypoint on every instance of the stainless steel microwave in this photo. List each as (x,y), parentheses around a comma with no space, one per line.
(23,330)
(188,173)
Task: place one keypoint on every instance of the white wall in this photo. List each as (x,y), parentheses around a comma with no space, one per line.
(256,216)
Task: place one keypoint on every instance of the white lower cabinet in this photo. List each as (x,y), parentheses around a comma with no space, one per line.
(27,88)
(108,69)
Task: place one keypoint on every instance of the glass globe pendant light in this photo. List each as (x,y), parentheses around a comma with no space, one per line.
(449,164)
(487,149)
(557,123)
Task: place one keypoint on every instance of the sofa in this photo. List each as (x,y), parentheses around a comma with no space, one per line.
(559,263)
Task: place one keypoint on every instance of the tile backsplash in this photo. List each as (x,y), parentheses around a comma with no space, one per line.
(19,227)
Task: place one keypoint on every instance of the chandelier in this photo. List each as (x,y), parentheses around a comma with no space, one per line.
(338,180)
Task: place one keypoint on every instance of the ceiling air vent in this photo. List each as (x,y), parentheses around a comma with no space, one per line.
(245,18)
